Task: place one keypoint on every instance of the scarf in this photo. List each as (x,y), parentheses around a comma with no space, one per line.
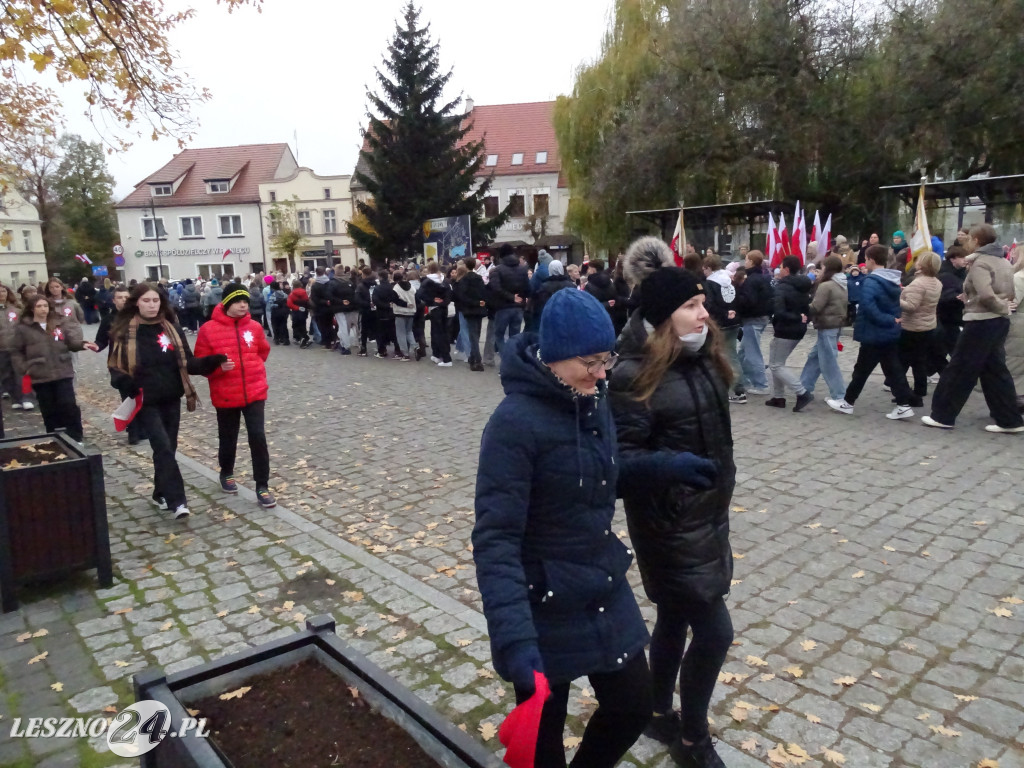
(124,356)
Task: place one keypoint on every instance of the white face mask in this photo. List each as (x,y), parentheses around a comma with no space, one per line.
(692,342)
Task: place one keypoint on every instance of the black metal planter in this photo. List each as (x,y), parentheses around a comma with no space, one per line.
(440,739)
(53,518)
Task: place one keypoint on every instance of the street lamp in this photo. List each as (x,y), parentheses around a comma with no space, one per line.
(156,234)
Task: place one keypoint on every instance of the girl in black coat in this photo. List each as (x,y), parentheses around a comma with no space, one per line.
(669,394)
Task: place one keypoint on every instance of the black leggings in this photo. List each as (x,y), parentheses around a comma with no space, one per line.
(160,421)
(698,667)
(58,407)
(624,709)
(228,421)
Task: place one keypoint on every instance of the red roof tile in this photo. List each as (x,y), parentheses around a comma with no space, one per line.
(256,163)
(507,129)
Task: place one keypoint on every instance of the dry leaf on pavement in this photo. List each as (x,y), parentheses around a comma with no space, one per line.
(794,670)
(57,687)
(836,758)
(40,657)
(487,731)
(235,694)
(845,681)
(797,754)
(1012,600)
(756,661)
(944,731)
(812,718)
(778,755)
(731,677)
(965,697)
(750,745)
(988,763)
(858,575)
(1003,613)
(871,707)
(808,645)
(739,714)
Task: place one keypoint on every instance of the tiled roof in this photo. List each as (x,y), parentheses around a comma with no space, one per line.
(507,129)
(256,163)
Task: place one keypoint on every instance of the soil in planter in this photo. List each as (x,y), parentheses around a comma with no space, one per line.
(32,455)
(305,715)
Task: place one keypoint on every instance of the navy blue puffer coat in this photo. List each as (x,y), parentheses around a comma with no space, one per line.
(550,568)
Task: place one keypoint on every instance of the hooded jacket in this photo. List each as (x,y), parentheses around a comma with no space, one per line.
(433,287)
(190,296)
(950,310)
(364,294)
(721,298)
(10,316)
(43,355)
(469,292)
(540,274)
(681,534)
(298,300)
(403,298)
(989,284)
(792,306)
(548,288)
(243,341)
(257,304)
(550,568)
(878,308)
(918,302)
(509,279)
(830,303)
(340,291)
(755,297)
(213,296)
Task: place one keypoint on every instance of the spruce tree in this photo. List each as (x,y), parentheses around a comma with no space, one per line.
(419,165)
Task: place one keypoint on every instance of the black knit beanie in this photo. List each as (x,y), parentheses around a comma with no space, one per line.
(665,290)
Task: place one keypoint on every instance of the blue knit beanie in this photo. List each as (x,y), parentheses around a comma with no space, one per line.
(574,324)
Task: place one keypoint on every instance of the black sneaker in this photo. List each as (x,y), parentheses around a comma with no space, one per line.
(738,397)
(698,755)
(159,501)
(265,498)
(802,401)
(228,484)
(362,353)
(304,344)
(663,728)
(776,402)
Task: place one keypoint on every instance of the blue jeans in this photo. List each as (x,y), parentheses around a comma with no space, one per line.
(750,349)
(824,361)
(510,320)
(462,340)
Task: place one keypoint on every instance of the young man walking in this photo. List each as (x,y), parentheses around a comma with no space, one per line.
(238,388)
(789,321)
(877,328)
(754,305)
(980,351)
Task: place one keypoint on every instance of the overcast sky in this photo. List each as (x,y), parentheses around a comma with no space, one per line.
(303,66)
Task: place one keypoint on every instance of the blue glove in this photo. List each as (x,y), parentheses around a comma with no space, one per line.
(694,471)
(522,659)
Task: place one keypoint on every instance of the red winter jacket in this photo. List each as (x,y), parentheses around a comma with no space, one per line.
(242,340)
(298,299)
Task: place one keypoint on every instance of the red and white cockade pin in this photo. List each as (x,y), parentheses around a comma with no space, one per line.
(67,311)
(165,342)
(12,316)
(247,338)
(58,334)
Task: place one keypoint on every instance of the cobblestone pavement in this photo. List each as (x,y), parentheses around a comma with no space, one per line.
(878,582)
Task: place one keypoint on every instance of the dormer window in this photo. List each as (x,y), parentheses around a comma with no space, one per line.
(492,160)
(217,187)
(517,158)
(542,157)
(162,190)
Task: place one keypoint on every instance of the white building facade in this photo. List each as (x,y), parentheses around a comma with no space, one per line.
(22,259)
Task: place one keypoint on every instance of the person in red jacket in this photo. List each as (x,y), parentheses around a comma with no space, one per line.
(298,303)
(238,388)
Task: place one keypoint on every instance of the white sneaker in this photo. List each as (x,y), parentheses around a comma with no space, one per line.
(901,412)
(840,406)
(760,392)
(435,360)
(17,406)
(1004,430)
(886,389)
(933,379)
(444,365)
(928,421)
(181,511)
(26,406)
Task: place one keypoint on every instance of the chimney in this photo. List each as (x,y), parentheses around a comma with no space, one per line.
(469,105)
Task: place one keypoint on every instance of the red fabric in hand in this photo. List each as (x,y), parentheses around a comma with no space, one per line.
(26,385)
(521,726)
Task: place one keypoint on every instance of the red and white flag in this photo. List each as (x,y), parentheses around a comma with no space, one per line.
(782,248)
(826,235)
(773,239)
(227,252)
(679,240)
(816,234)
(127,411)
(83,258)
(794,240)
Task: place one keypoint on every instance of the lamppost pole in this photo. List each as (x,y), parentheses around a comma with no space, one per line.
(156,234)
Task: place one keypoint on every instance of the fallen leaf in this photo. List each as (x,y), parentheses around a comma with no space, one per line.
(836,758)
(57,687)
(329,582)
(120,663)
(1003,613)
(734,582)
(858,575)
(40,657)
(731,677)
(778,755)
(875,674)
(771,708)
(571,742)
(222,614)
(360,631)
(871,707)
(1012,600)
(484,672)
(170,538)
(944,731)
(797,754)
(122,611)
(846,681)
(288,605)
(23,637)
(254,609)
(981,522)
(353,692)
(964,697)
(924,716)
(812,526)
(739,714)
(462,643)
(750,745)
(166,626)
(812,718)
(988,763)
(795,671)
(739,509)
(887,548)
(113,711)
(756,661)
(736,556)
(235,694)
(299,617)
(767,677)
(808,645)
(487,731)
(355,597)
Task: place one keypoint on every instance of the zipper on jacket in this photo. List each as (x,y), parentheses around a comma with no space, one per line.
(241,368)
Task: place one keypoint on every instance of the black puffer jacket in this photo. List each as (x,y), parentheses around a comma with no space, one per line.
(754,297)
(509,280)
(792,306)
(548,288)
(680,534)
(950,310)
(469,292)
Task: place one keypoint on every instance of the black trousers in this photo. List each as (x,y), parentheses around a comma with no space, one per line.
(917,353)
(228,420)
(160,421)
(868,358)
(419,326)
(949,334)
(440,346)
(299,332)
(474,325)
(623,711)
(697,667)
(58,408)
(367,327)
(9,381)
(279,323)
(325,322)
(980,354)
(386,333)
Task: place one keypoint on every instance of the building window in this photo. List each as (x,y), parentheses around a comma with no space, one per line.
(191,226)
(162,190)
(230,226)
(517,158)
(218,187)
(492,160)
(153,272)
(9,237)
(273,196)
(217,269)
(330,222)
(542,157)
(14,279)
(517,204)
(274,217)
(305,223)
(491,205)
(540,205)
(32,279)
(153,228)
(26,235)
(327,193)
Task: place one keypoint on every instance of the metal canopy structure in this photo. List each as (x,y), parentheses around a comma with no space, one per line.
(705,220)
(990,192)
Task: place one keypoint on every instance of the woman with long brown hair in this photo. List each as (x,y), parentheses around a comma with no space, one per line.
(149,354)
(10,377)
(670,399)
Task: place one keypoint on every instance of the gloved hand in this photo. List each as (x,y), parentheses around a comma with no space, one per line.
(694,471)
(522,659)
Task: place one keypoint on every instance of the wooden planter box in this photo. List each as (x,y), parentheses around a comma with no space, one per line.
(440,739)
(53,518)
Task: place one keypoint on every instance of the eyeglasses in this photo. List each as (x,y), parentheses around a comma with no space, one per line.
(593,366)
